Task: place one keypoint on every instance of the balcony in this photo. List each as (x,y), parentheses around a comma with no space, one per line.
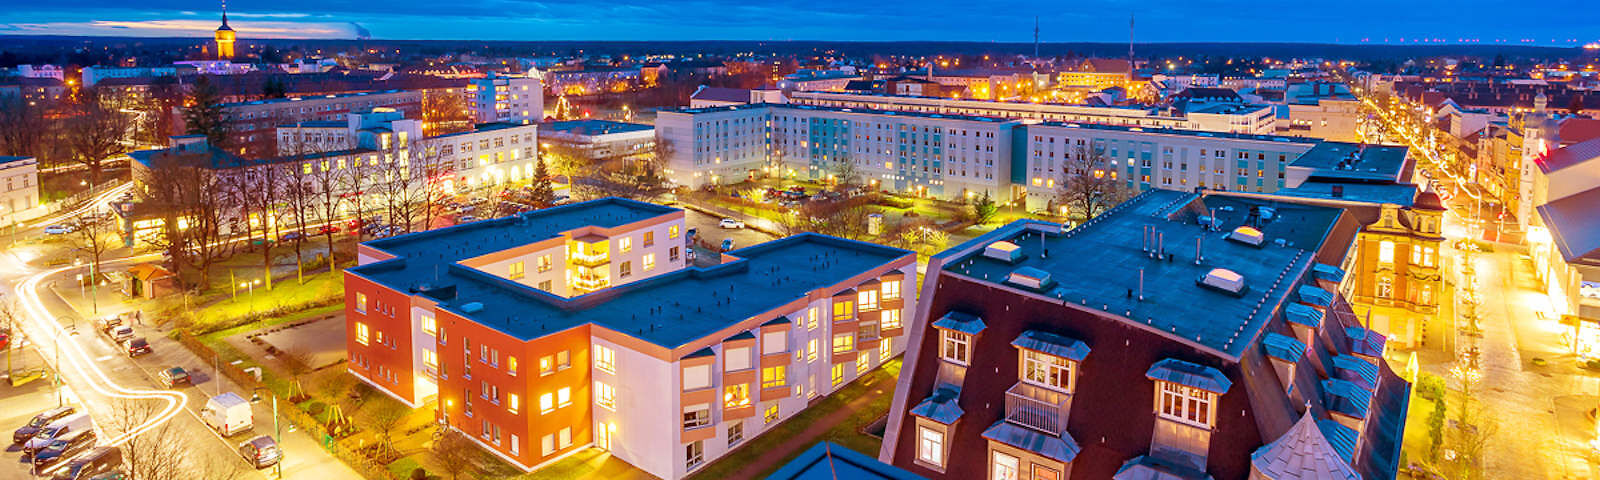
(1037,408)
(589,283)
(589,260)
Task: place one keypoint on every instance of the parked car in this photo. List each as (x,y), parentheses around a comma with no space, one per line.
(228,414)
(291,236)
(60,229)
(63,448)
(38,422)
(261,452)
(138,346)
(101,463)
(561,200)
(731,223)
(62,426)
(119,334)
(727,244)
(466,218)
(327,229)
(175,376)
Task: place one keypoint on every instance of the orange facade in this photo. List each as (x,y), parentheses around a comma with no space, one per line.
(378,336)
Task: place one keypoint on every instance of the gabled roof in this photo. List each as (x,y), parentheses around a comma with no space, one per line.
(1303,453)
(721,94)
(1578,129)
(1570,155)
(1062,448)
(1283,347)
(1574,223)
(1303,314)
(941,406)
(1346,397)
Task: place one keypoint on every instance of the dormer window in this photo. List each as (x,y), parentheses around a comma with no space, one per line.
(1047,371)
(956,347)
(1187,405)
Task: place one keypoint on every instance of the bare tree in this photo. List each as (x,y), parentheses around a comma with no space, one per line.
(457,455)
(444,113)
(257,190)
(405,183)
(164,452)
(194,204)
(636,176)
(299,199)
(95,236)
(324,194)
(384,418)
(844,217)
(94,131)
(1089,185)
(24,128)
(356,177)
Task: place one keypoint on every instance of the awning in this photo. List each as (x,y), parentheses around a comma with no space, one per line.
(960,322)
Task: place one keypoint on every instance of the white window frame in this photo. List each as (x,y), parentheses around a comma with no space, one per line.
(1003,466)
(696,377)
(605,359)
(1185,404)
(1037,369)
(955,347)
(736,359)
(930,446)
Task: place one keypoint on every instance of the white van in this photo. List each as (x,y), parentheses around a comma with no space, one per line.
(67,424)
(228,414)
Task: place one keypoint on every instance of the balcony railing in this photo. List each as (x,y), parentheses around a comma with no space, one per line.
(1037,408)
(589,260)
(590,283)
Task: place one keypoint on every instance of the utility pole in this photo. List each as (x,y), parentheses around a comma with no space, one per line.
(277,438)
(1036,38)
(1130,46)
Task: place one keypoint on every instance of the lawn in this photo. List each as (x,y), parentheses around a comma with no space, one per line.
(878,383)
(285,294)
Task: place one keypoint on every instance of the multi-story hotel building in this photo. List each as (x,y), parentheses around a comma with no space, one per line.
(1231,118)
(507,99)
(584,325)
(1218,347)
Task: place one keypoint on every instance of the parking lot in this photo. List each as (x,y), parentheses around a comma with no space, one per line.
(21,403)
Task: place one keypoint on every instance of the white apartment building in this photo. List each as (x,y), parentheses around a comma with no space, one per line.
(511,99)
(935,155)
(489,154)
(1231,118)
(19,202)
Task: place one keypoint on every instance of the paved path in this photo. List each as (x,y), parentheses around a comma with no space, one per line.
(781,454)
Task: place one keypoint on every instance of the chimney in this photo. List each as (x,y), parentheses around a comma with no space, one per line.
(1198,255)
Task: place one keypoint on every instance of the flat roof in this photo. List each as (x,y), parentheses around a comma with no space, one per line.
(698,301)
(1402,194)
(867,111)
(303,98)
(594,127)
(829,461)
(9,159)
(1192,133)
(1098,265)
(1355,161)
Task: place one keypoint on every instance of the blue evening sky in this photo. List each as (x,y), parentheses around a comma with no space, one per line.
(1348,21)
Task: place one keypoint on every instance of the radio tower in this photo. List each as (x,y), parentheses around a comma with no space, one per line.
(1130,46)
(1035,39)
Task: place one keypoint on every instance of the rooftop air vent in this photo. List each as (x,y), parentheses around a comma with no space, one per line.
(1003,251)
(1247,235)
(1029,277)
(1224,280)
(472,307)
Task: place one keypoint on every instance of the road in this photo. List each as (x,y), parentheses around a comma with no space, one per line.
(95,369)
(707,228)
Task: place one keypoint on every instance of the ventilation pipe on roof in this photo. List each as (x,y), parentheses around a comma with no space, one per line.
(1198,255)
(1161,244)
(1141,284)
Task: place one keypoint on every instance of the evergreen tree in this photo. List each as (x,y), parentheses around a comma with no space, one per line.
(204,114)
(543,194)
(984,209)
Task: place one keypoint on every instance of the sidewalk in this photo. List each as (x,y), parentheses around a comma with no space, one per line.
(304,457)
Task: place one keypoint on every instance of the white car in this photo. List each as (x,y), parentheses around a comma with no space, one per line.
(731,223)
(59,229)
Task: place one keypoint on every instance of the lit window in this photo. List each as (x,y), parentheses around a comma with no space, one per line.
(672,231)
(605,395)
(649,238)
(771,414)
(429,325)
(843,343)
(885,350)
(547,445)
(564,397)
(1006,467)
(362,333)
(547,365)
(515,271)
(430,359)
(361,302)
(891,290)
(862,362)
(547,403)
(1386,252)
(956,347)
(1385,286)
(736,395)
(843,311)
(563,360)
(544,263)
(1047,371)
(698,415)
(811,318)
(930,446)
(811,350)
(513,402)
(890,319)
(605,358)
(773,377)
(625,244)
(1185,404)
(649,261)
(511,365)
(868,299)
(838,374)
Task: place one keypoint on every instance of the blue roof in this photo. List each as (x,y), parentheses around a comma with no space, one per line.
(1316,296)
(594,127)
(1283,347)
(1346,397)
(1189,374)
(696,301)
(1098,265)
(960,322)
(1303,314)
(1402,194)
(1062,448)
(1342,438)
(1354,369)
(1328,272)
(941,406)
(1050,343)
(9,159)
(1351,161)
(1366,342)
(829,461)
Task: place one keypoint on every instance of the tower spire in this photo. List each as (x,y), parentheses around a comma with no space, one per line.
(224,14)
(1130,46)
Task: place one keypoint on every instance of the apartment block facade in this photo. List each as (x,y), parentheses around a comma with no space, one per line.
(508,99)
(1257,119)
(252,126)
(19,201)
(586,325)
(1216,347)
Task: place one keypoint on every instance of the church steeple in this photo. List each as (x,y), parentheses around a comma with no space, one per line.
(224,36)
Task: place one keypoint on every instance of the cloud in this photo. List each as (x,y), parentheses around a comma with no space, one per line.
(182,28)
